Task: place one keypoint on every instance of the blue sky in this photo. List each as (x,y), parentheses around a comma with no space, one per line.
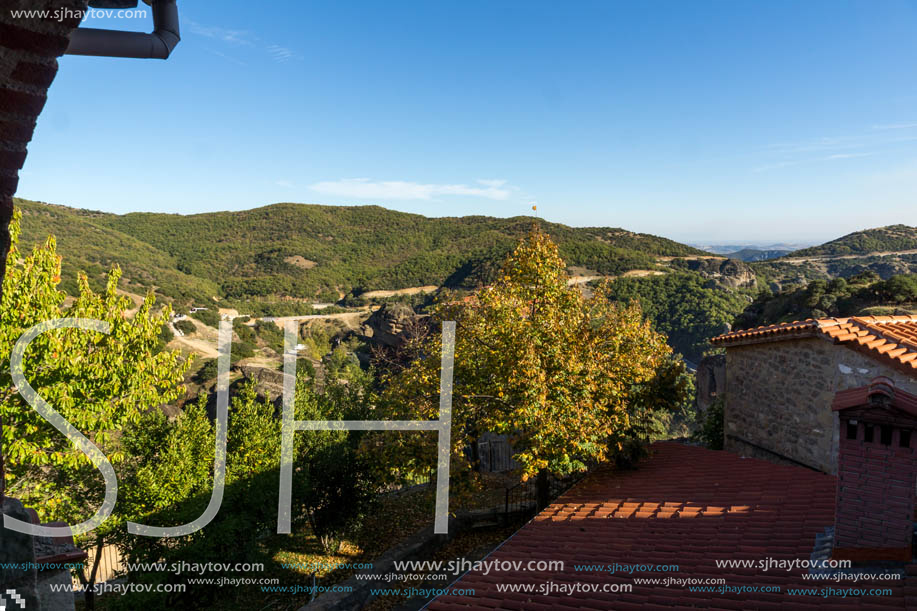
(710,122)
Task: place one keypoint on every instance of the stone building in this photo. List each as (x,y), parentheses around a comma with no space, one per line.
(781,381)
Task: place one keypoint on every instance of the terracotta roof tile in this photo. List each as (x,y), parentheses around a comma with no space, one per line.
(759,509)
(856,397)
(890,339)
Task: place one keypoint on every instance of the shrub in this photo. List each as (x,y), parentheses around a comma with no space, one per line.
(185,326)
(246,334)
(208,317)
(711,433)
(207,372)
(242,350)
(270,334)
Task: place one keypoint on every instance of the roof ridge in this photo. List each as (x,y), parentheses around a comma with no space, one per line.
(892,339)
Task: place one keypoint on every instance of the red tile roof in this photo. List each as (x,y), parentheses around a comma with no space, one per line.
(686,506)
(890,339)
(856,397)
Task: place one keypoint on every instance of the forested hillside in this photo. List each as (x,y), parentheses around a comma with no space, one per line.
(882,239)
(277,259)
(864,294)
(315,252)
(686,307)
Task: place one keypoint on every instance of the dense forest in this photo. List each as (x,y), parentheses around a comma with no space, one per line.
(864,294)
(686,307)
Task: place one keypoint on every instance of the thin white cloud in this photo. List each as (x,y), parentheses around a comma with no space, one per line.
(776,166)
(847,156)
(366,189)
(235,37)
(817,145)
(896,126)
(795,162)
(238,38)
(495,183)
(868,142)
(281,54)
(228,58)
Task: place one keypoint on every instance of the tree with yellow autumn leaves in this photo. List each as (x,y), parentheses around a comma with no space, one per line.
(570,380)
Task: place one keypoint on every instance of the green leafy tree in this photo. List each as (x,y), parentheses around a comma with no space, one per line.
(899,289)
(100,383)
(103,384)
(568,379)
(173,480)
(683,306)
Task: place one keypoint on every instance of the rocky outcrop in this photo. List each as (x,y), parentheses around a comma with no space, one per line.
(268,385)
(730,273)
(710,381)
(267,381)
(388,325)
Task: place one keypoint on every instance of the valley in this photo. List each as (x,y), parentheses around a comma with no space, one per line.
(332,264)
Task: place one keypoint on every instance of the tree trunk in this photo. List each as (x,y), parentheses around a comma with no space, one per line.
(542,490)
(89,584)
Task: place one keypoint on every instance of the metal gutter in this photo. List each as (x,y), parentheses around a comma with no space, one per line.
(113,43)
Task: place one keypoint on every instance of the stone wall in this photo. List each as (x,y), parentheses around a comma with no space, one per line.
(778,406)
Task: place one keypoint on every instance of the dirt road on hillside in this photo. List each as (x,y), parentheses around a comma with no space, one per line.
(816,258)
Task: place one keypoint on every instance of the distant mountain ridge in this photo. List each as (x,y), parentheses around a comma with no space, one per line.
(753,254)
(729,249)
(314,252)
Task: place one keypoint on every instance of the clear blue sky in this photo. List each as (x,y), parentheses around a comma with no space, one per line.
(712,121)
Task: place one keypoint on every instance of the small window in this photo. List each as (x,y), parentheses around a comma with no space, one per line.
(886,435)
(851,430)
(867,433)
(904,439)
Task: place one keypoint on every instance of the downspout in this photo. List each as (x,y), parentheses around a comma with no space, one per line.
(114,43)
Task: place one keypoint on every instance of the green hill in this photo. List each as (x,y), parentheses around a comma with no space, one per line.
(893,238)
(88,245)
(314,252)
(861,295)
